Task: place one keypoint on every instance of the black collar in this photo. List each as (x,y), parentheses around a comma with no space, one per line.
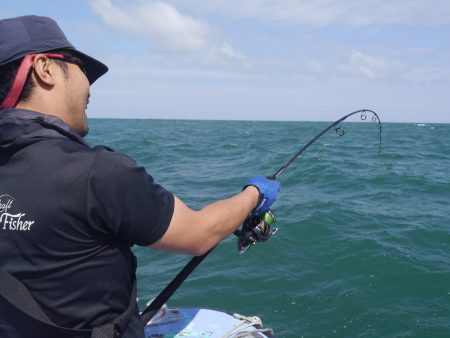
(22,123)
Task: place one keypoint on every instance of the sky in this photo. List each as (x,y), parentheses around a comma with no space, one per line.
(299,60)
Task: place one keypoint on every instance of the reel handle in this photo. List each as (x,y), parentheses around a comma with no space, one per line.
(256,228)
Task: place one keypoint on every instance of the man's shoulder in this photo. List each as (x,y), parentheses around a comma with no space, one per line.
(65,152)
(74,148)
(105,154)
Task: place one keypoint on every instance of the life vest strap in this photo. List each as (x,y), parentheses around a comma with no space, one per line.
(17,294)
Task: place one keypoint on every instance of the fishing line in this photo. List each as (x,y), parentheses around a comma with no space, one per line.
(256,227)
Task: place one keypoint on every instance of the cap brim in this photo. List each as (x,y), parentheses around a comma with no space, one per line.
(94,68)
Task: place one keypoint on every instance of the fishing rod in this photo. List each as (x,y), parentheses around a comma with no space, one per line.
(338,130)
(256,228)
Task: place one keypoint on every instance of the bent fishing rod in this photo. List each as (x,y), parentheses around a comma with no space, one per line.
(256,228)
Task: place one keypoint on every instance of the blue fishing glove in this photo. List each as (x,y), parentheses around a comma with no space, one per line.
(268,190)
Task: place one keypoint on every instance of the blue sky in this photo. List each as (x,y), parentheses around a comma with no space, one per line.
(261,59)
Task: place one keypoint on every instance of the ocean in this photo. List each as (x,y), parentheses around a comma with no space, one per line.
(363,242)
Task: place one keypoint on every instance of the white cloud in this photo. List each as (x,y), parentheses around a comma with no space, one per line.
(165,27)
(228,51)
(292,68)
(373,68)
(315,67)
(328,12)
(393,72)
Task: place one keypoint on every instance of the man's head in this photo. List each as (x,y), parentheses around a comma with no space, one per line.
(41,70)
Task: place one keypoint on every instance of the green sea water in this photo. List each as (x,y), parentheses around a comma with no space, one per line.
(363,247)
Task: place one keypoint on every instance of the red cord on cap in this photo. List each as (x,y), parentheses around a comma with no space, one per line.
(21,77)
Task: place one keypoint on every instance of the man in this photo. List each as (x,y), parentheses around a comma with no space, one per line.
(69,213)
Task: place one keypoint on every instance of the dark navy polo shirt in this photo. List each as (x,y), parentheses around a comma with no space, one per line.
(69,214)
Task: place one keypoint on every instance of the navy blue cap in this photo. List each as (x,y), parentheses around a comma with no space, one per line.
(33,34)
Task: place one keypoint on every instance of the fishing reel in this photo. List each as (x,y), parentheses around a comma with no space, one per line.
(256,228)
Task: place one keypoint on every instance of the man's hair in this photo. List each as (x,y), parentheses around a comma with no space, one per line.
(8,74)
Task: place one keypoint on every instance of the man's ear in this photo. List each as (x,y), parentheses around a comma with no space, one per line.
(44,70)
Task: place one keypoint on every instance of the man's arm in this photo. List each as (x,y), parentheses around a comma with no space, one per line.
(195,232)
